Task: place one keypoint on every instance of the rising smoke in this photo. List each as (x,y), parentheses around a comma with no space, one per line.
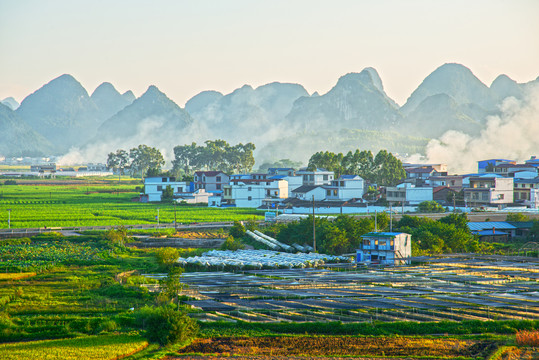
(514,134)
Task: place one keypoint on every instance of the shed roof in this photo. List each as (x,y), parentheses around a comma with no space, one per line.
(485,225)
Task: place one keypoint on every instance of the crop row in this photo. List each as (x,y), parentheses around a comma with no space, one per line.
(90,347)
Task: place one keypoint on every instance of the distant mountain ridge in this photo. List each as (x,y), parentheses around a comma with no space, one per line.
(275,116)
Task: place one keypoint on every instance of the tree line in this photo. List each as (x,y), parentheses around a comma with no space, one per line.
(449,234)
(213,155)
(383,169)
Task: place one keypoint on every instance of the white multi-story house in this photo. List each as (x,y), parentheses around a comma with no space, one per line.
(489,190)
(386,248)
(294,182)
(154,186)
(409,194)
(211,181)
(345,188)
(316,177)
(253,193)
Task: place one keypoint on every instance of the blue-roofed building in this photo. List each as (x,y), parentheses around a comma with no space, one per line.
(385,248)
(482,165)
(479,227)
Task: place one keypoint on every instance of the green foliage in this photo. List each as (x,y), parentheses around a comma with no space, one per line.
(10,182)
(383,169)
(103,204)
(232,244)
(19,241)
(517,217)
(214,155)
(240,328)
(450,234)
(430,207)
(144,158)
(166,326)
(167,256)
(116,236)
(237,230)
(171,286)
(168,194)
(283,163)
(340,236)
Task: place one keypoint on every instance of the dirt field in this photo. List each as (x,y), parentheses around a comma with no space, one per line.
(335,346)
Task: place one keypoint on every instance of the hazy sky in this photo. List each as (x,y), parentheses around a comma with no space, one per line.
(184,47)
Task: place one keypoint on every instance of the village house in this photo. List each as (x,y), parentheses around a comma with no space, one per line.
(346,187)
(253,192)
(385,248)
(211,181)
(154,187)
(306,192)
(316,177)
(408,194)
(489,191)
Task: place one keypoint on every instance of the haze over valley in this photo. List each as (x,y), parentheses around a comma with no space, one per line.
(449,112)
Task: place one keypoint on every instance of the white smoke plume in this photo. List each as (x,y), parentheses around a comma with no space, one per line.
(514,134)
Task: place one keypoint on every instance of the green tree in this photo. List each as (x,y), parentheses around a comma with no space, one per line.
(518,217)
(430,207)
(167,256)
(171,286)
(166,326)
(237,230)
(118,161)
(232,244)
(168,194)
(144,157)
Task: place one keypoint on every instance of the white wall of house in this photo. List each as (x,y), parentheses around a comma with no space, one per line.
(416,195)
(248,195)
(345,189)
(154,186)
(319,194)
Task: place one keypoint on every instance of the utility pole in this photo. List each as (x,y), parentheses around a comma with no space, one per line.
(157,216)
(390,218)
(9,218)
(314,229)
(175,221)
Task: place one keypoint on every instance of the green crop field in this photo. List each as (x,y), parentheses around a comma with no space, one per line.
(111,204)
(90,347)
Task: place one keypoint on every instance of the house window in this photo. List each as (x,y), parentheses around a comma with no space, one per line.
(325,177)
(392,242)
(164,180)
(180,189)
(204,179)
(249,188)
(366,243)
(305,177)
(218,186)
(218,179)
(328,192)
(500,196)
(382,243)
(376,242)
(250,198)
(196,178)
(334,192)
(159,188)
(268,183)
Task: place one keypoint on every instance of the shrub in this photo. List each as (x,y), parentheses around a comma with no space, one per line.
(528,338)
(237,230)
(167,256)
(232,244)
(430,207)
(166,326)
(10,182)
